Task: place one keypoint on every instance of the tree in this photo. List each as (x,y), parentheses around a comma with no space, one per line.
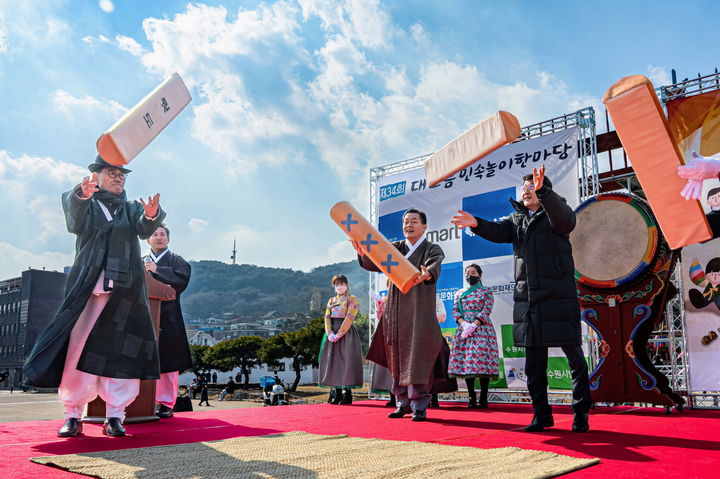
(304,345)
(274,349)
(197,352)
(242,352)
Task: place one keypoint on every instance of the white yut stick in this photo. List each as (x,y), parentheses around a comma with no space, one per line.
(482,139)
(139,126)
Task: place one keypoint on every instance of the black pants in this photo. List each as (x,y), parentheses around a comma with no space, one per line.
(536,360)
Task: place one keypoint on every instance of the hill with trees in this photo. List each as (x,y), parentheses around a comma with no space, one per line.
(251,291)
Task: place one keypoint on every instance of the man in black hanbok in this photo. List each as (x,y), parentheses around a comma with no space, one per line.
(171,269)
(101,341)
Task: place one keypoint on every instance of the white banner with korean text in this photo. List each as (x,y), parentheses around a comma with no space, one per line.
(484,189)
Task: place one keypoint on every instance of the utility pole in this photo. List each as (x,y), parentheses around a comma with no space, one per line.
(234,251)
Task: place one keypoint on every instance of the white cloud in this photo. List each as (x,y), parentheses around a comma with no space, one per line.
(197,225)
(129,45)
(205,33)
(228,120)
(658,75)
(419,34)
(68,104)
(99,39)
(32,26)
(48,216)
(25,168)
(16,260)
(24,181)
(55,27)
(3,34)
(361,21)
(106,6)
(341,251)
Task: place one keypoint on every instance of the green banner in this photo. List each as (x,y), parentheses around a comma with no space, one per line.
(509,350)
(559,374)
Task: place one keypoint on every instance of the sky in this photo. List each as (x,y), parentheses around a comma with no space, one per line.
(294,102)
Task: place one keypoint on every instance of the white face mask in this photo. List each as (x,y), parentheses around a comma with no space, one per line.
(340,289)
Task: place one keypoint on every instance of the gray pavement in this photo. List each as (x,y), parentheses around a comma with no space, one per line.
(21,406)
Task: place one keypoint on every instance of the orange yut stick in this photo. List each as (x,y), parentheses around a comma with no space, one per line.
(482,139)
(376,247)
(645,135)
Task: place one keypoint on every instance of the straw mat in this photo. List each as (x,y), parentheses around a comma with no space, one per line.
(304,455)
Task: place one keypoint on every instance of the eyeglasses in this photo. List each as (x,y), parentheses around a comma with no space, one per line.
(116,174)
(530,187)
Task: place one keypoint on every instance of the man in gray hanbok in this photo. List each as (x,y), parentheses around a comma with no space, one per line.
(408,340)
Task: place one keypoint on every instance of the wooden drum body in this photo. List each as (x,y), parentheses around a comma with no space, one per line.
(622,268)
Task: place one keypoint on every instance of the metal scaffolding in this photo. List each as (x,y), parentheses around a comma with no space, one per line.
(672,331)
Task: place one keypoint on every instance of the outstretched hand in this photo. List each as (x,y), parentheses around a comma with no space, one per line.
(463,220)
(695,171)
(89,186)
(538,177)
(152,206)
(424,275)
(700,168)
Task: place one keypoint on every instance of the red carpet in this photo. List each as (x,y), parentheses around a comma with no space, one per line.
(631,442)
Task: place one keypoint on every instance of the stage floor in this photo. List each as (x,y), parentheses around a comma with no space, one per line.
(631,442)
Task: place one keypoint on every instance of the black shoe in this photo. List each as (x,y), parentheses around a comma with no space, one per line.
(337,399)
(346,397)
(481,404)
(164,411)
(391,402)
(580,423)
(399,412)
(472,404)
(539,423)
(71,428)
(113,427)
(434,403)
(419,416)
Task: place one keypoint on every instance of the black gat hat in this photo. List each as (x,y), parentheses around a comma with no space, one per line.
(99,164)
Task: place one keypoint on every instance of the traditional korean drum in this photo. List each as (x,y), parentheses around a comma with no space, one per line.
(615,242)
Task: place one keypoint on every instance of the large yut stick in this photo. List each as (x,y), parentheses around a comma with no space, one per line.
(645,135)
(134,131)
(376,247)
(484,138)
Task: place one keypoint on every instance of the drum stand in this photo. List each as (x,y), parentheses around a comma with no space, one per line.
(622,321)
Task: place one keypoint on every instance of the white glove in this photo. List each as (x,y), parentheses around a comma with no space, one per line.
(692,190)
(700,168)
(468,329)
(332,337)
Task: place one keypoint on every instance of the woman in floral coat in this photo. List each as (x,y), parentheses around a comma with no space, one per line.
(474,350)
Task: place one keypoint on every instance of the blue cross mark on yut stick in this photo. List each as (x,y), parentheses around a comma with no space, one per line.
(369,242)
(389,263)
(349,222)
